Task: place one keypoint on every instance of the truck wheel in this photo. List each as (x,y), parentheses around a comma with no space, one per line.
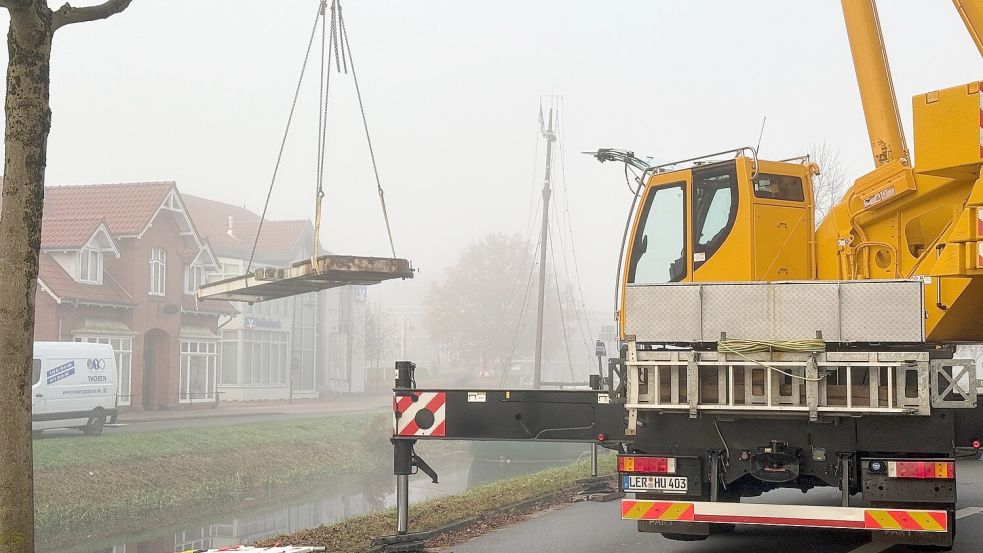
(96,423)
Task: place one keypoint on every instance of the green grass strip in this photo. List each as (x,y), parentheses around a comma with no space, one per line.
(121,448)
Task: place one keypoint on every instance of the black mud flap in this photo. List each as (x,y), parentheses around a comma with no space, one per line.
(934,539)
(697,530)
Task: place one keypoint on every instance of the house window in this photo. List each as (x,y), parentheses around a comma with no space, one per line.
(90,266)
(304,339)
(229,358)
(194,276)
(264,358)
(226,269)
(123,348)
(158,271)
(198,360)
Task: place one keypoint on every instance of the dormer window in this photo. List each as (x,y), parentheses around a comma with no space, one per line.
(194,276)
(90,266)
(197,271)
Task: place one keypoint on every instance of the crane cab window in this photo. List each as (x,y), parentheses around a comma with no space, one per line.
(779,187)
(715,198)
(658,252)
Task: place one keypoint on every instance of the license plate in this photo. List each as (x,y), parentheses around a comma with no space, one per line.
(660,484)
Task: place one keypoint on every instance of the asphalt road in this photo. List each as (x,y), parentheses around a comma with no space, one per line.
(598,528)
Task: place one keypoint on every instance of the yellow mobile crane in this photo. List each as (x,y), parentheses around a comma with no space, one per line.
(759,352)
(752,220)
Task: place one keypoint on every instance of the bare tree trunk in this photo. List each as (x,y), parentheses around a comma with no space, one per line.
(32,26)
(26,136)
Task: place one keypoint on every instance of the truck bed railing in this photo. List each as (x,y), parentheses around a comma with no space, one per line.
(796,383)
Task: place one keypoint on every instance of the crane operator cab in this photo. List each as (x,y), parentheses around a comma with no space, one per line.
(736,220)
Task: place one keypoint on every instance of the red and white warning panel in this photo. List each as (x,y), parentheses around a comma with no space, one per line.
(420,414)
(786,515)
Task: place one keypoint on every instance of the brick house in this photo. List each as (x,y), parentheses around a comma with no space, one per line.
(292,347)
(119,264)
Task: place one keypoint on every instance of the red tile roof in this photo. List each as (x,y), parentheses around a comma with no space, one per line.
(126,208)
(67,233)
(64,287)
(277,241)
(278,238)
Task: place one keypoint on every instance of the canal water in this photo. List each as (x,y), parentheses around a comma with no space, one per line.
(271,512)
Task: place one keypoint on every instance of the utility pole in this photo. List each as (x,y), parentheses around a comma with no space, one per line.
(550,136)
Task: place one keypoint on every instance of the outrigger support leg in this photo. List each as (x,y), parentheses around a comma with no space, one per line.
(405,461)
(403,468)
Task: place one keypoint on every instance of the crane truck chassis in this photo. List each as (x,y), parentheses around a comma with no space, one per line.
(759,350)
(698,426)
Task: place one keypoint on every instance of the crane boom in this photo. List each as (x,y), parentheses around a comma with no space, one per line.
(887,141)
(971,12)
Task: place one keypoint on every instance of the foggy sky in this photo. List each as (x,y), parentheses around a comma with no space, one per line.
(197,91)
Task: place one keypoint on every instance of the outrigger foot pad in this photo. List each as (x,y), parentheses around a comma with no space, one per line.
(401,543)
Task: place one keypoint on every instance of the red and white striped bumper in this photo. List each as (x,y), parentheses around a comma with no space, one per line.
(786,515)
(420,414)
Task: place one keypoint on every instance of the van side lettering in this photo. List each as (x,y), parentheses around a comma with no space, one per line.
(60,372)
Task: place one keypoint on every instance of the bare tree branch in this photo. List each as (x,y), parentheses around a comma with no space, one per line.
(828,187)
(67,14)
(14,4)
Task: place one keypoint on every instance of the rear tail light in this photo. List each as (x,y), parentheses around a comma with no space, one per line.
(922,470)
(646,464)
(976,444)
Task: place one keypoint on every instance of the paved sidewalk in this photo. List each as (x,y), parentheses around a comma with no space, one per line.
(349,403)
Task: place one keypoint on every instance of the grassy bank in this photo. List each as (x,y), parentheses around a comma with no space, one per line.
(112,480)
(353,535)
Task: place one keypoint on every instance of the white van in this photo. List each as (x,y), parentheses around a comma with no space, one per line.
(74,386)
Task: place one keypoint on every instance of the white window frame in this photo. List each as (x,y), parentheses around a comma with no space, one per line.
(265,359)
(226,269)
(123,348)
(194,276)
(93,263)
(158,272)
(206,352)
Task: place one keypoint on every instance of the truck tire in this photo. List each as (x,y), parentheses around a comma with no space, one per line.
(95,424)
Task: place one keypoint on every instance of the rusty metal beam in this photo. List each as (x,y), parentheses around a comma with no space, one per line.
(329,271)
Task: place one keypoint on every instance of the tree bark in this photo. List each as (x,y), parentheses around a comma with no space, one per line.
(32,26)
(26,136)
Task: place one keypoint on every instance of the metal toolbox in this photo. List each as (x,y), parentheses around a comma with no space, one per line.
(842,311)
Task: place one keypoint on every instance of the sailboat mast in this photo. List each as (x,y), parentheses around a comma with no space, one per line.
(550,136)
